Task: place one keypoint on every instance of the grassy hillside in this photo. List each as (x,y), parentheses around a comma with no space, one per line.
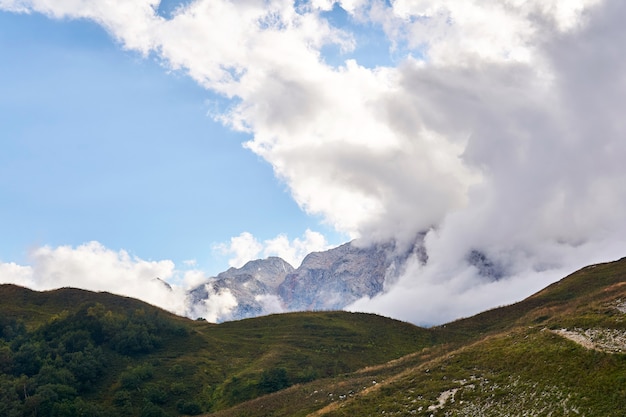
(76,353)
(560,352)
(71,352)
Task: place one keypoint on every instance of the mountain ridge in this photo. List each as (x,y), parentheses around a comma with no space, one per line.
(325,280)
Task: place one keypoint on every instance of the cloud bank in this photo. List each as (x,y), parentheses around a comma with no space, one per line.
(499,130)
(93,267)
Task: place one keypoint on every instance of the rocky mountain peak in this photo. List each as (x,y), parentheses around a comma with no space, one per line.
(333,279)
(328,280)
(270,271)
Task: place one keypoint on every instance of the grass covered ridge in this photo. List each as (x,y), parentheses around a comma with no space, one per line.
(75,353)
(509,361)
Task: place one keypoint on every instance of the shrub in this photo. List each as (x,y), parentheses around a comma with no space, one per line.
(132,378)
(122,399)
(151,410)
(189,408)
(273,380)
(155,394)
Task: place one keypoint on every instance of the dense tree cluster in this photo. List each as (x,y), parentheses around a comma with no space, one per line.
(49,371)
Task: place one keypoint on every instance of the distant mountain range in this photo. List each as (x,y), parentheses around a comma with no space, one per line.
(329,280)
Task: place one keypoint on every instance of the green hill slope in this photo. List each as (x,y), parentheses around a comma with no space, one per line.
(70,352)
(76,353)
(560,352)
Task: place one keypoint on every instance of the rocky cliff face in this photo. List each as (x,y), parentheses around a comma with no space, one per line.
(328,280)
(253,287)
(333,279)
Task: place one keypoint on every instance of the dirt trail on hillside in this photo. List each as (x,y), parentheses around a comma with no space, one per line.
(604,340)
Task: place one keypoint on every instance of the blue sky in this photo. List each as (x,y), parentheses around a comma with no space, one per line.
(99,143)
(171,139)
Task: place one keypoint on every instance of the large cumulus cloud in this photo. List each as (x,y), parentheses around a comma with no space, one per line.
(546,135)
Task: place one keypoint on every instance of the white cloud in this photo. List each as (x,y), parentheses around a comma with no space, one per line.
(246,247)
(93,267)
(216,307)
(448,288)
(12,273)
(294,251)
(460,32)
(131,23)
(193,278)
(270,303)
(548,140)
